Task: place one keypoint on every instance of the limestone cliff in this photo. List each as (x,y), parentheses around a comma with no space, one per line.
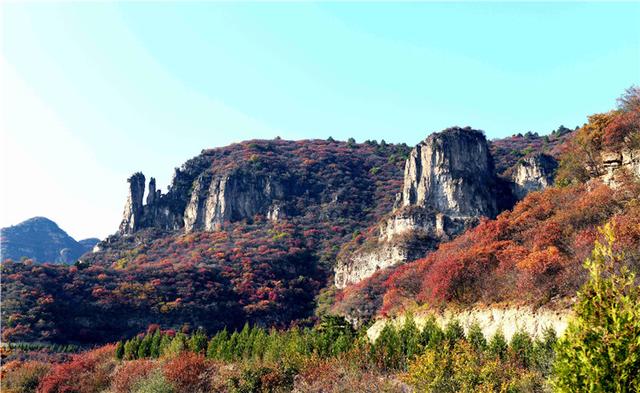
(450,172)
(232,197)
(449,183)
(133,207)
(212,199)
(533,173)
(615,163)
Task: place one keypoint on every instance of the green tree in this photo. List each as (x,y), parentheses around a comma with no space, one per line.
(144,349)
(453,331)
(600,350)
(156,342)
(198,342)
(498,346)
(131,349)
(476,337)
(431,335)
(409,337)
(387,349)
(120,350)
(521,348)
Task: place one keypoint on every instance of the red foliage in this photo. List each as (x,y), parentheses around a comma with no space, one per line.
(189,372)
(128,373)
(530,254)
(88,372)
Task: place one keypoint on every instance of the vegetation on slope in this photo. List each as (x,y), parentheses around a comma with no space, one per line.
(531,254)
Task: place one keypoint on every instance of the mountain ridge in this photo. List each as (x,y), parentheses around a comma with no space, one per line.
(41,239)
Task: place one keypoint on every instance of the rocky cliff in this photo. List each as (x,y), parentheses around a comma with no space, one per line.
(212,199)
(616,163)
(533,173)
(449,183)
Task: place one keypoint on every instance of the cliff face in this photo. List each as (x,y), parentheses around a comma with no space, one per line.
(232,197)
(212,200)
(449,183)
(533,173)
(451,173)
(614,163)
(331,190)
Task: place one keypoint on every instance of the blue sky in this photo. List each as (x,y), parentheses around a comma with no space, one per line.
(94,92)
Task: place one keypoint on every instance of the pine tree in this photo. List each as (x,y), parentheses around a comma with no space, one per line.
(156,341)
(600,350)
(144,349)
(165,342)
(453,332)
(521,349)
(431,335)
(498,346)
(387,348)
(476,337)
(131,349)
(216,344)
(120,350)
(198,342)
(409,337)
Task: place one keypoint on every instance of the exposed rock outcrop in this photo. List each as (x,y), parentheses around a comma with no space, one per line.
(449,183)
(232,197)
(508,320)
(133,207)
(449,172)
(204,201)
(533,173)
(614,162)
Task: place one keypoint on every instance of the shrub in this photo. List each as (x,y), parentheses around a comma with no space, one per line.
(89,372)
(188,372)
(600,351)
(128,374)
(23,377)
(154,383)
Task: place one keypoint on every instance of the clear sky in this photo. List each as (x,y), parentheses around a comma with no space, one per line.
(94,92)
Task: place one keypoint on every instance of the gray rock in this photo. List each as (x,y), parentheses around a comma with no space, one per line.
(533,173)
(133,207)
(449,183)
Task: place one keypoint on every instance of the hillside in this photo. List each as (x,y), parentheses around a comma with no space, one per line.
(531,255)
(41,240)
(259,249)
(254,267)
(251,232)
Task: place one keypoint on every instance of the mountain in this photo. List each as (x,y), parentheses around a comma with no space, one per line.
(41,240)
(531,255)
(251,232)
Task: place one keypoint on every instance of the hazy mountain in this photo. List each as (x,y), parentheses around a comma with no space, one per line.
(42,240)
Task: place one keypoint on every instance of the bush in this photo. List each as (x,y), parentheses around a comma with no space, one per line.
(23,377)
(600,351)
(128,374)
(188,372)
(89,372)
(154,383)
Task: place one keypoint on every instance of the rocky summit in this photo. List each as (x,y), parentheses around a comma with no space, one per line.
(449,183)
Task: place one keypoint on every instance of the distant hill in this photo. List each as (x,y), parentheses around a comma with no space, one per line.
(42,240)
